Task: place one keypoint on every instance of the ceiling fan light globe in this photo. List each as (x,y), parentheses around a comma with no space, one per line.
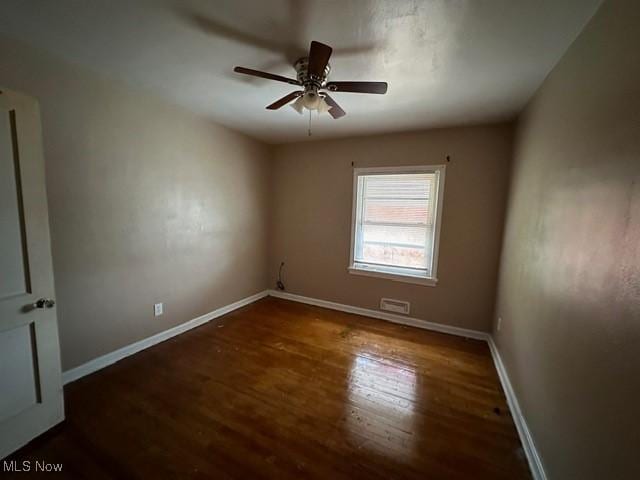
(311,100)
(323,106)
(298,105)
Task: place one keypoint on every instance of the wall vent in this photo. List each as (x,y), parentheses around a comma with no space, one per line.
(395,306)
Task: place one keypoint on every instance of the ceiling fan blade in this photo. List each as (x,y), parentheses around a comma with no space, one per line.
(268,76)
(319,55)
(358,87)
(284,100)
(335,111)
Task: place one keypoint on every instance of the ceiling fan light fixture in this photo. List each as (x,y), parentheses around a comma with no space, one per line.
(323,106)
(311,100)
(298,105)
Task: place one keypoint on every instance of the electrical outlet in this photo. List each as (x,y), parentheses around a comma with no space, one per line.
(499,324)
(157,309)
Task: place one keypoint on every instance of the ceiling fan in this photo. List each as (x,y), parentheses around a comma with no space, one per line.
(312,73)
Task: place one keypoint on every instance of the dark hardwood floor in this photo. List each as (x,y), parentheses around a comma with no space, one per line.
(284,390)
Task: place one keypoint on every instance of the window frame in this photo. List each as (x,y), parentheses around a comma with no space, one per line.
(399,274)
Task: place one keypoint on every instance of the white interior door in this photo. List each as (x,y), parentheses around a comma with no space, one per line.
(31,397)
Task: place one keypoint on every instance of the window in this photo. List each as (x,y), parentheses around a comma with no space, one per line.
(396,222)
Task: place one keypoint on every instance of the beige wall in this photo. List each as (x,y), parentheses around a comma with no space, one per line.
(147,203)
(569,291)
(312,219)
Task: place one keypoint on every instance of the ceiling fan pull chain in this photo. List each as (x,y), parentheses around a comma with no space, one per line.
(309,132)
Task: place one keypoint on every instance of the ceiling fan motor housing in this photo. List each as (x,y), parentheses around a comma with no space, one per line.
(311,83)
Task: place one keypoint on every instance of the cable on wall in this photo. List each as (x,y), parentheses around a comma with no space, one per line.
(279,283)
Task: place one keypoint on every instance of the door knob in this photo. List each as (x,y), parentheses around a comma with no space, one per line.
(44,302)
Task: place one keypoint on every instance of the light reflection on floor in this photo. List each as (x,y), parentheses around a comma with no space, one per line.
(382,395)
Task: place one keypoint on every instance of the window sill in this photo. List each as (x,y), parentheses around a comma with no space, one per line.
(397,277)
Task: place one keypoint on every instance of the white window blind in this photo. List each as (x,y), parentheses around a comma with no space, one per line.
(395,222)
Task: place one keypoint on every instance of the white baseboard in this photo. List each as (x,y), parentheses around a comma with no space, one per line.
(530,450)
(535,463)
(390,317)
(112,357)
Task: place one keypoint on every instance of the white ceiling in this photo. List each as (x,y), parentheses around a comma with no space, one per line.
(447,62)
